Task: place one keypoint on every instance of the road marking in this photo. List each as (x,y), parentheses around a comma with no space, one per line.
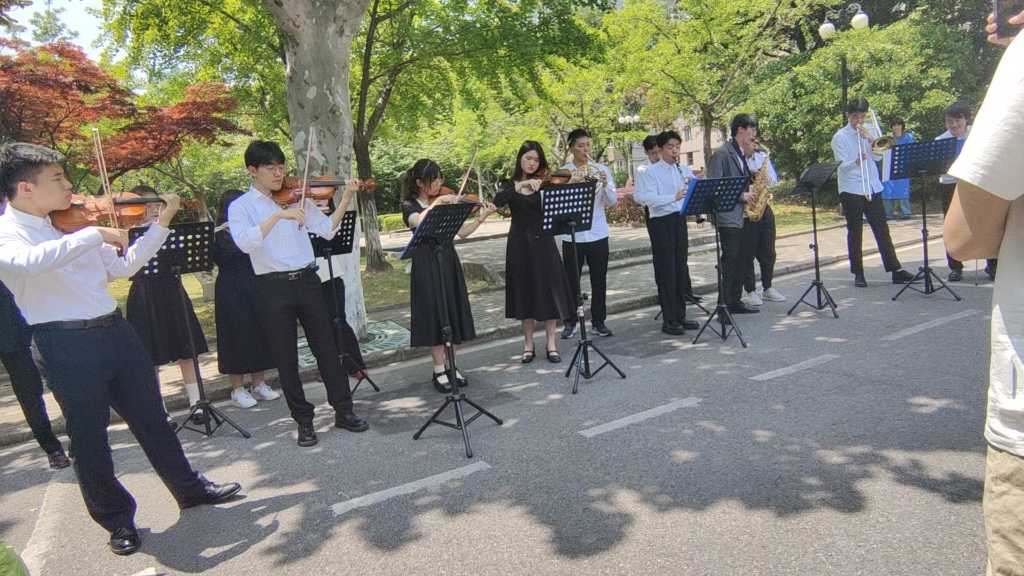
(640,417)
(48,525)
(929,325)
(378,497)
(795,367)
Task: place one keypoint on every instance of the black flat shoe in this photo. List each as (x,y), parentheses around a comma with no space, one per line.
(445,388)
(742,308)
(462,382)
(199,417)
(125,540)
(553,357)
(859,281)
(307,436)
(528,356)
(690,324)
(902,277)
(58,460)
(673,329)
(955,276)
(214,494)
(349,421)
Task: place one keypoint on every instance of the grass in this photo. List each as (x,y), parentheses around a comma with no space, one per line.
(204,310)
(793,217)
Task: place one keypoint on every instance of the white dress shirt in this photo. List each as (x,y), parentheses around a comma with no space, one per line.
(608,196)
(845,148)
(946,178)
(286,247)
(56,276)
(756,161)
(657,185)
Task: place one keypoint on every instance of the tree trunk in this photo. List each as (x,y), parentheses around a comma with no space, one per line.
(375,261)
(317,38)
(708,125)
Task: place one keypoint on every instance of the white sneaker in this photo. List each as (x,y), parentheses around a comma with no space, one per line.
(751,299)
(240,397)
(773,295)
(264,392)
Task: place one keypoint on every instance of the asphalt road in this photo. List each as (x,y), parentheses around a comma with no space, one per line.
(829,446)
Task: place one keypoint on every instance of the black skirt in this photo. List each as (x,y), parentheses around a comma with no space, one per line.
(154,310)
(241,345)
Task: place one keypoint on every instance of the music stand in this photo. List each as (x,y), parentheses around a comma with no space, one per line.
(713,196)
(188,248)
(435,232)
(924,159)
(812,181)
(342,243)
(566,209)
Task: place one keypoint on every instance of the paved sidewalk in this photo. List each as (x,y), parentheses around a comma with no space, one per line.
(630,286)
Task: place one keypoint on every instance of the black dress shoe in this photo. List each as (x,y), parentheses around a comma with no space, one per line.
(125,540)
(461,381)
(859,281)
(602,330)
(215,493)
(349,421)
(58,460)
(902,277)
(444,388)
(690,324)
(955,275)
(990,271)
(199,417)
(741,308)
(307,436)
(673,329)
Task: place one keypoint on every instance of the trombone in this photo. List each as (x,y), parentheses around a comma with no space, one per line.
(881,144)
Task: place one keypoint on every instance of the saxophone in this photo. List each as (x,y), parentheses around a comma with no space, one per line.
(755,211)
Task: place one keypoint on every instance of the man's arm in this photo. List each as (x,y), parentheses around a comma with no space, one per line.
(975,223)
(135,256)
(28,260)
(842,152)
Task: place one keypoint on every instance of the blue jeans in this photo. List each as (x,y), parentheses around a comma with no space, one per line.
(904,207)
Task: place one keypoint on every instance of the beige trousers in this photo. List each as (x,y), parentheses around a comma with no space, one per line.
(1003,504)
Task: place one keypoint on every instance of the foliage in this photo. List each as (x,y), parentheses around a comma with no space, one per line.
(5,7)
(626,210)
(47,25)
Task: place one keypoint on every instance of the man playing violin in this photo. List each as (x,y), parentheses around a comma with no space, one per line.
(91,357)
(277,242)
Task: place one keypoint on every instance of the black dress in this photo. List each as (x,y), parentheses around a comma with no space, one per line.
(426,322)
(241,347)
(154,310)
(535,282)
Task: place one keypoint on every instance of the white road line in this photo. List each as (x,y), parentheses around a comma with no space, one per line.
(795,367)
(640,417)
(929,325)
(378,497)
(48,526)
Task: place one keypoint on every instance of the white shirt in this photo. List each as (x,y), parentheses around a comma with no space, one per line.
(608,196)
(946,178)
(658,184)
(286,247)
(56,276)
(845,148)
(991,160)
(756,161)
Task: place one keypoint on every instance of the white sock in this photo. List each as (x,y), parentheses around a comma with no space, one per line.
(441,376)
(459,374)
(193,393)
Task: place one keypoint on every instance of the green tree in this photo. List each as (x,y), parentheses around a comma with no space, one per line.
(48,27)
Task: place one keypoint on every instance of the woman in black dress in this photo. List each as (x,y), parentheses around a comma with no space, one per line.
(536,287)
(421,190)
(241,348)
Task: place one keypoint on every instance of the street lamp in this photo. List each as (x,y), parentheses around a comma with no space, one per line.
(629,121)
(858,20)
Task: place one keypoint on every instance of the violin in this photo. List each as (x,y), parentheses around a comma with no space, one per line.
(320,189)
(556,177)
(128,210)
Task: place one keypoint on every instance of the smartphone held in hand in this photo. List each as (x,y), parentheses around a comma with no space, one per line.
(1003,11)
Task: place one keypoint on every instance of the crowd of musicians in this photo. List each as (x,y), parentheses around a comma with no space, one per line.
(59,323)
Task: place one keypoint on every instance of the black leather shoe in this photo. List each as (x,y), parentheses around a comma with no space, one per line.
(444,388)
(990,271)
(199,417)
(859,281)
(462,382)
(349,421)
(602,330)
(673,329)
(125,540)
(741,308)
(307,436)
(58,460)
(955,275)
(901,277)
(569,331)
(216,493)
(690,324)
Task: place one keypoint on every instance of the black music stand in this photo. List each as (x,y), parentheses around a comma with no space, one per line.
(713,196)
(566,209)
(812,181)
(924,159)
(342,243)
(188,248)
(435,232)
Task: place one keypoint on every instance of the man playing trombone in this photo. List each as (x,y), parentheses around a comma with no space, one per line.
(860,193)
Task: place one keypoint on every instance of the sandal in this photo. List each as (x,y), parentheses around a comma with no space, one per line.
(553,357)
(528,356)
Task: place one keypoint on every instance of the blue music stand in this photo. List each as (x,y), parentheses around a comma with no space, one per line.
(713,196)
(916,159)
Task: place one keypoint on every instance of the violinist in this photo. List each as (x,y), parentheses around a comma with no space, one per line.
(421,190)
(288,287)
(93,359)
(536,287)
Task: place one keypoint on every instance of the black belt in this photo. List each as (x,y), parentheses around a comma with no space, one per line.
(292,275)
(105,320)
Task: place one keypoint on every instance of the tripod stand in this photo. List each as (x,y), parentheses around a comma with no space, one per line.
(814,177)
(434,233)
(188,249)
(925,272)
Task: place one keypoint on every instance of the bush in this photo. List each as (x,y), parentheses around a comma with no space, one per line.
(390,222)
(625,211)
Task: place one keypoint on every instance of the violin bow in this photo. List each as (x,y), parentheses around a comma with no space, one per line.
(101,164)
(305,173)
(465,177)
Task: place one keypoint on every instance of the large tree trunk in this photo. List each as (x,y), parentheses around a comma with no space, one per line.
(375,261)
(707,122)
(317,40)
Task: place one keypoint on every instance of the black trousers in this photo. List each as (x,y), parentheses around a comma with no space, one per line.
(738,246)
(91,371)
(28,389)
(764,252)
(947,191)
(670,250)
(595,255)
(348,344)
(282,302)
(857,207)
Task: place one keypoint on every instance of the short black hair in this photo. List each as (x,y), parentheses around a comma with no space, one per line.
(143,190)
(226,199)
(650,142)
(261,153)
(957,110)
(742,121)
(576,135)
(667,135)
(857,105)
(22,162)
(898,122)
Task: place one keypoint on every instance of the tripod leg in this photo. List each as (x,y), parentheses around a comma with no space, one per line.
(828,299)
(706,324)
(607,361)
(224,418)
(801,300)
(735,328)
(575,358)
(460,421)
(579,371)
(497,420)
(433,418)
(944,285)
(917,276)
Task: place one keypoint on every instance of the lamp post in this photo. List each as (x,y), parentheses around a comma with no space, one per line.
(629,121)
(857,19)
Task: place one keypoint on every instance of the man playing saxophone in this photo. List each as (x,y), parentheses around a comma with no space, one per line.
(763,228)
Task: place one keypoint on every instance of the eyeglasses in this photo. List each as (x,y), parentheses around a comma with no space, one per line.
(273,168)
